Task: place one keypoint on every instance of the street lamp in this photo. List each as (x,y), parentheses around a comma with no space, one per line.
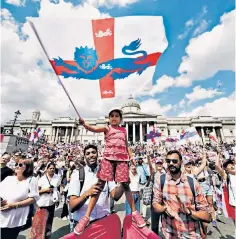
(17,113)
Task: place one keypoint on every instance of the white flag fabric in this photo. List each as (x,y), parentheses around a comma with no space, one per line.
(114,55)
(213,138)
(188,135)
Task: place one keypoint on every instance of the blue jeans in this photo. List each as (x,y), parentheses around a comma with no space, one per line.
(136,198)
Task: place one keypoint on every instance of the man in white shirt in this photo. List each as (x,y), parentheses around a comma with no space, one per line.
(79,197)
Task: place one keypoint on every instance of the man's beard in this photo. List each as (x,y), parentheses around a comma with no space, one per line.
(175,171)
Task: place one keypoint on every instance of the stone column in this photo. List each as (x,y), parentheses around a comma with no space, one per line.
(203,136)
(147,127)
(134,132)
(222,135)
(65,139)
(52,134)
(127,130)
(57,132)
(214,131)
(72,135)
(141,131)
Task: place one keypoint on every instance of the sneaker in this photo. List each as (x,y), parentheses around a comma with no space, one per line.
(64,218)
(147,223)
(82,224)
(214,224)
(137,218)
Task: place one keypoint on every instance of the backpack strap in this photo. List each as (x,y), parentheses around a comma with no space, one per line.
(162,180)
(191,184)
(81,177)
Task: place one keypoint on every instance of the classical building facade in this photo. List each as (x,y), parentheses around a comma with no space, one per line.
(66,129)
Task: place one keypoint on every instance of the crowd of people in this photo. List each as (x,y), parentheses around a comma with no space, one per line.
(181,186)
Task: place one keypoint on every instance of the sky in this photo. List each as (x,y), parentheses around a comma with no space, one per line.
(195,76)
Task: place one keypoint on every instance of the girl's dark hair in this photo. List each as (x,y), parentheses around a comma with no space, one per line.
(29,167)
(117,111)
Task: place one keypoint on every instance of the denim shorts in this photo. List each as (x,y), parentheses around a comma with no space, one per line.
(206,188)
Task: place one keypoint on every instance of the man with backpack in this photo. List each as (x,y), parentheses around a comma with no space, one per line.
(180,200)
(82,187)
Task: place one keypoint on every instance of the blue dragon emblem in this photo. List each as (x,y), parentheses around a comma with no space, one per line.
(86,66)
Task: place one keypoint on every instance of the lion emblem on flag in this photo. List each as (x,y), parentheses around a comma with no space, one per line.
(85,65)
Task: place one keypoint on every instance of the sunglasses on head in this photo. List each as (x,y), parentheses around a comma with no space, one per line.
(174,161)
(19,165)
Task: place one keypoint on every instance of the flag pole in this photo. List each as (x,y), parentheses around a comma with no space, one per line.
(64,88)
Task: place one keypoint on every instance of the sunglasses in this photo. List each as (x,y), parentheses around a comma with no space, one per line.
(174,161)
(19,165)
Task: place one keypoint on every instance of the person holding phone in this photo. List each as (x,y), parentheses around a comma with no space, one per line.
(48,194)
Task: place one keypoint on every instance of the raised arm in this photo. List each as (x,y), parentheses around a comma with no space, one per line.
(219,169)
(151,170)
(198,170)
(93,128)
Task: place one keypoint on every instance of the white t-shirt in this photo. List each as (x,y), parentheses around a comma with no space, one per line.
(12,191)
(102,207)
(134,182)
(232,190)
(46,199)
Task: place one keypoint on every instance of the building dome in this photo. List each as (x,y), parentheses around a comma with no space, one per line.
(130,106)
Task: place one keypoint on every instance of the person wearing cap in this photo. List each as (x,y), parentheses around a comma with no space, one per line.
(228,174)
(114,165)
(188,165)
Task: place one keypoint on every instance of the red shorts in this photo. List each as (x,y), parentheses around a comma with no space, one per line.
(117,171)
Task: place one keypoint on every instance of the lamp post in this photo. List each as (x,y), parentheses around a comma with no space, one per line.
(17,113)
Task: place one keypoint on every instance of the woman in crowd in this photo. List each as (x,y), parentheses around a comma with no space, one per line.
(204,179)
(228,174)
(17,194)
(134,187)
(49,196)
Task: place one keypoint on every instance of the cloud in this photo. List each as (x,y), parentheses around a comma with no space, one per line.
(201,93)
(182,103)
(18,3)
(207,54)
(191,23)
(161,85)
(111,3)
(152,106)
(218,108)
(210,52)
(201,28)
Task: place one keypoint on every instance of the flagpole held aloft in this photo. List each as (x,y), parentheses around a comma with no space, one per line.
(64,88)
